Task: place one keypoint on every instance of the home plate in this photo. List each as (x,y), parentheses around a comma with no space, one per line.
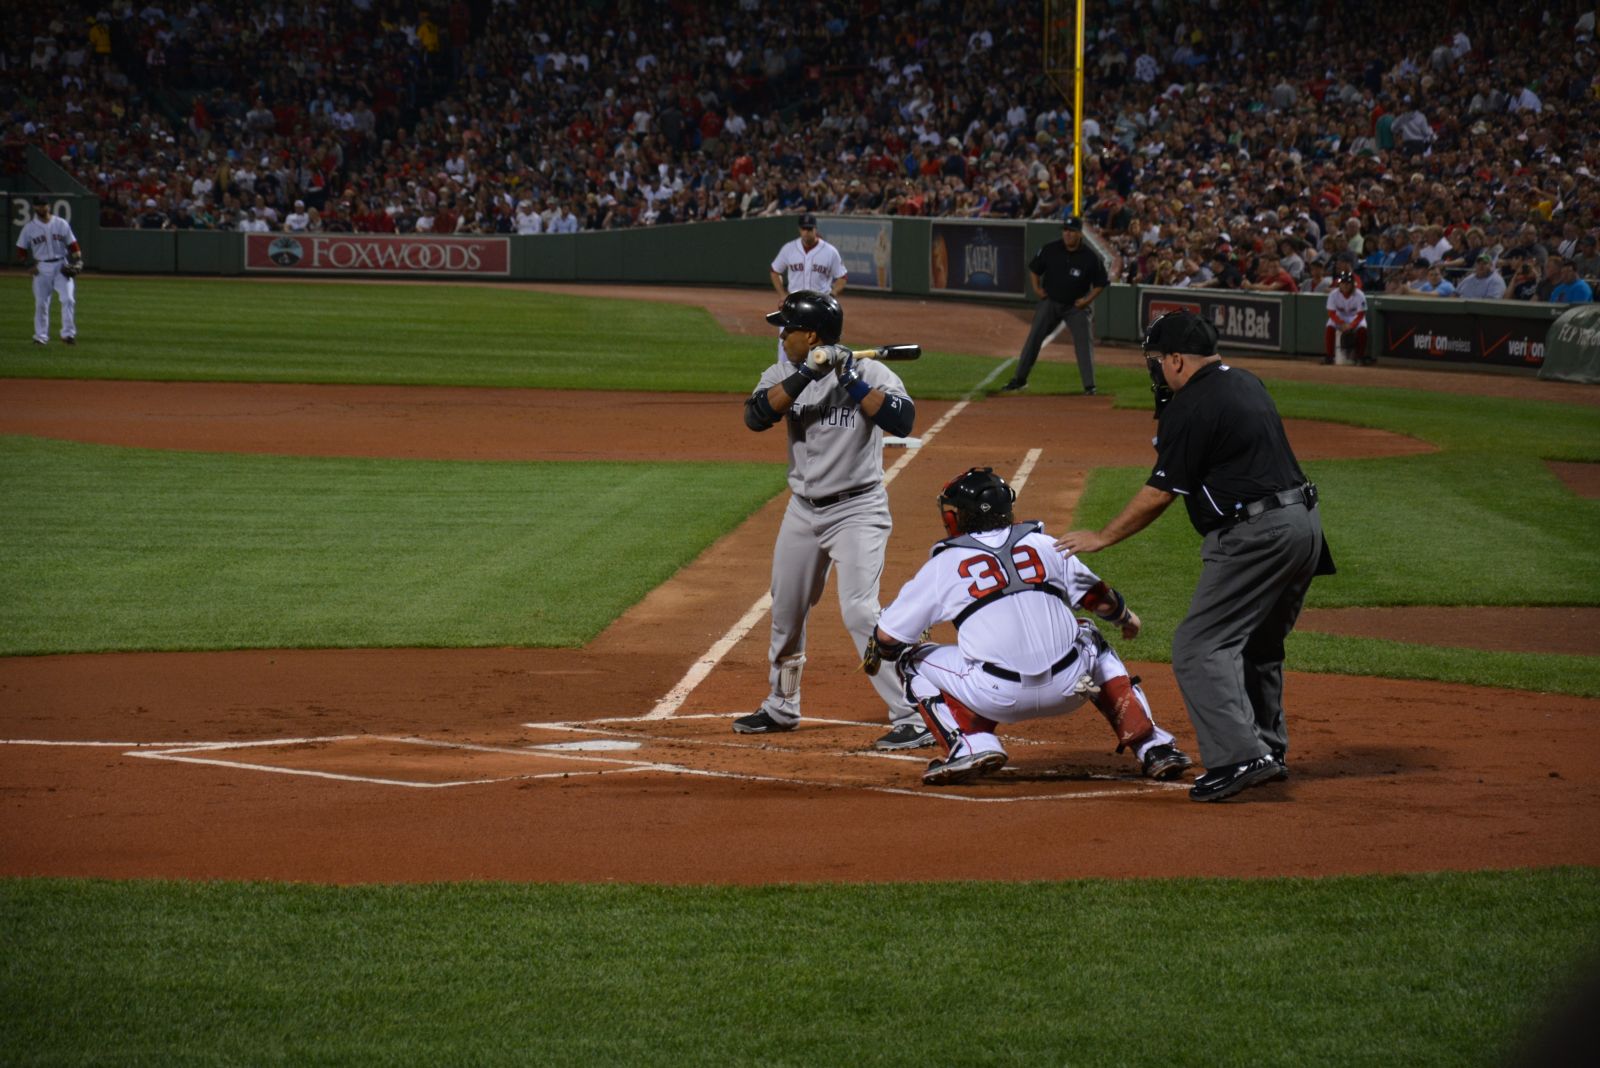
(890,442)
(589,745)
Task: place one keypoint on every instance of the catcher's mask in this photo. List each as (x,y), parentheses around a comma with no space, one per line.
(977,499)
(1179,331)
(808,310)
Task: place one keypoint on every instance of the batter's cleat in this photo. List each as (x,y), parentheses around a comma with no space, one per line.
(971,766)
(1220,783)
(69,341)
(761,722)
(1164,762)
(905,736)
(1014,386)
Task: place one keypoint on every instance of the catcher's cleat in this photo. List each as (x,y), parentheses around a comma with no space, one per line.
(1164,762)
(905,736)
(962,768)
(761,722)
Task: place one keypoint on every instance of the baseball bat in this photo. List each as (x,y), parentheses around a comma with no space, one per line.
(889,353)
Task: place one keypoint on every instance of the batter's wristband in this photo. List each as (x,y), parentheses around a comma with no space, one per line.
(858,390)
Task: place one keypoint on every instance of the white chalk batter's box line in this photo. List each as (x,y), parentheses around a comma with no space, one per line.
(193,753)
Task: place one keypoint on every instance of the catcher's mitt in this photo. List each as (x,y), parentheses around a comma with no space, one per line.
(73,267)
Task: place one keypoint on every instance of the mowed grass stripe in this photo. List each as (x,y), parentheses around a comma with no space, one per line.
(128,549)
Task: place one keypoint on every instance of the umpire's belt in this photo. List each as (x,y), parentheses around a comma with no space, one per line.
(834,498)
(1306,495)
(1011,676)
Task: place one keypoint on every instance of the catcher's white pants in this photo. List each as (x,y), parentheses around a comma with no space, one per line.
(47,283)
(945,669)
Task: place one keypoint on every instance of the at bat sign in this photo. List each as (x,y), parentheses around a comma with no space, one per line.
(889,353)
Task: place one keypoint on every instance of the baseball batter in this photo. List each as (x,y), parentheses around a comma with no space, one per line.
(48,240)
(836,411)
(1020,652)
(807,264)
(1346,333)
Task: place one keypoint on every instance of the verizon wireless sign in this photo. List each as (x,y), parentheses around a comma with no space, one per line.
(377,254)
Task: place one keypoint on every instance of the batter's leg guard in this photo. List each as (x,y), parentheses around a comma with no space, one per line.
(1122,703)
(788,680)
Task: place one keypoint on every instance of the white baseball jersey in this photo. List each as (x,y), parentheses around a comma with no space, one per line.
(816,270)
(1343,310)
(48,241)
(1026,632)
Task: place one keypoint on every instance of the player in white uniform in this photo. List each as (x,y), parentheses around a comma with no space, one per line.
(1020,653)
(836,412)
(1346,333)
(49,241)
(807,263)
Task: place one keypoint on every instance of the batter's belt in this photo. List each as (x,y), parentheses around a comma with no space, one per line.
(835,498)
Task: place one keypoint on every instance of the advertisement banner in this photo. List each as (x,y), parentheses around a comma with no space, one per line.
(1242,321)
(986,258)
(405,254)
(1451,337)
(865,246)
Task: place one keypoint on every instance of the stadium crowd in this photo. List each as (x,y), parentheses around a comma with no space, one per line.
(1265,145)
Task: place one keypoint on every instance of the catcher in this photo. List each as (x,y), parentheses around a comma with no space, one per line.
(49,242)
(1020,653)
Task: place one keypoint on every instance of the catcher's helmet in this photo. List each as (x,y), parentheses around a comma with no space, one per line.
(977,499)
(807,310)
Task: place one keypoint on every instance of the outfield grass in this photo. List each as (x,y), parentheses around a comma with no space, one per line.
(172,550)
(216,330)
(1403,970)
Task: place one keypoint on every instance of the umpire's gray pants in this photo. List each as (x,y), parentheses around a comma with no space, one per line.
(848,538)
(1227,654)
(1046,317)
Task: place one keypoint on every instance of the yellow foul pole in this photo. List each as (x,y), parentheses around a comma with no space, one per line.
(1077,117)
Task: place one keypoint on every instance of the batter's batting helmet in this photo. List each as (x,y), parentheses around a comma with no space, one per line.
(806,310)
(977,499)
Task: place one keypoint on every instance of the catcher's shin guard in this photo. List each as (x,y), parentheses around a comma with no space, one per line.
(950,720)
(1121,701)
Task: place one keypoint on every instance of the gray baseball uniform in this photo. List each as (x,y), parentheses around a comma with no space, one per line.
(838,515)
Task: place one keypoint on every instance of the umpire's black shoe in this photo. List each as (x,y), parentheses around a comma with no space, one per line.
(1224,782)
(1088,391)
(1016,385)
(1282,774)
(761,722)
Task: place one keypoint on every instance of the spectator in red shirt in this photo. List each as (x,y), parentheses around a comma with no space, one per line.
(1272,278)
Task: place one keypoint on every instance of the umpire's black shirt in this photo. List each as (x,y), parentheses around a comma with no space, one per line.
(1220,445)
(1068,275)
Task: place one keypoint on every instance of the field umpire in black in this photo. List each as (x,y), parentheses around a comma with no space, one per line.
(1221,447)
(1068,275)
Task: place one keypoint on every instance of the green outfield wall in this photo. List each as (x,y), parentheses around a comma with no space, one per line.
(956,259)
